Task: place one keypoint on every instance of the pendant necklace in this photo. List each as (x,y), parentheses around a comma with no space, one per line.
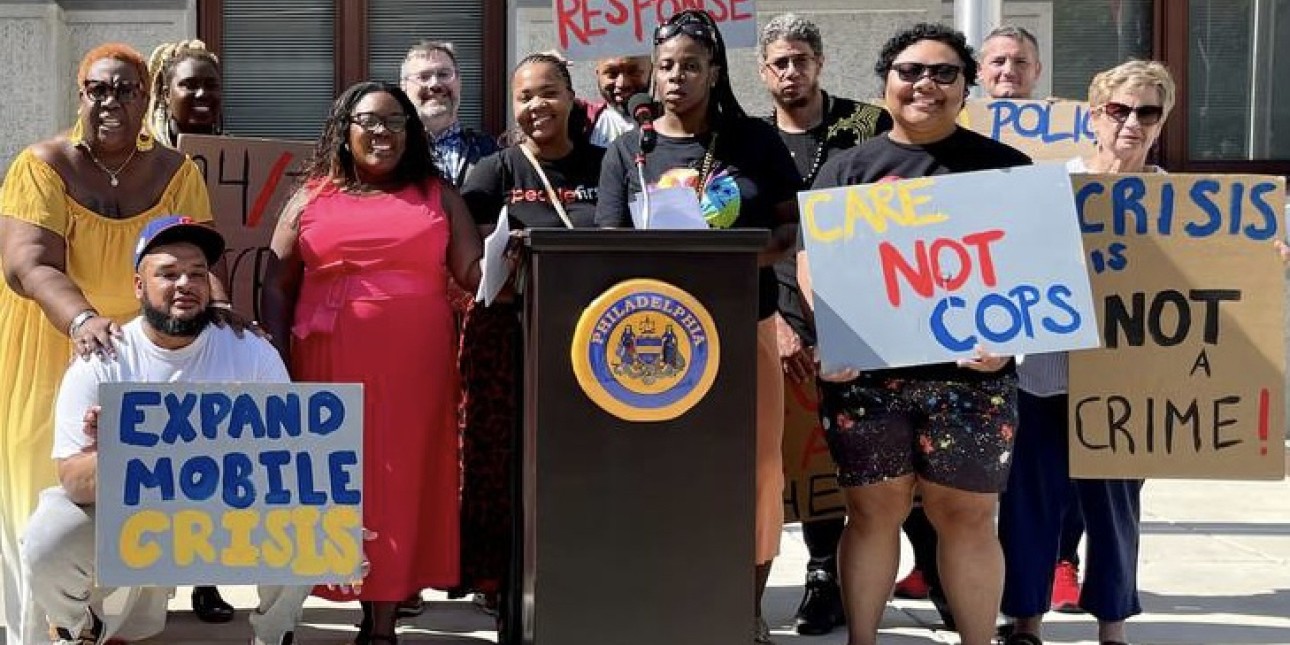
(112,174)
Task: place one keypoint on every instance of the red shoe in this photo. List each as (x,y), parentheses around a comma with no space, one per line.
(1066,588)
(913,587)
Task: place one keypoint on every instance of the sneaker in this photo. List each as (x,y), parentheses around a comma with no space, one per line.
(761,632)
(90,634)
(821,607)
(1066,589)
(913,587)
(411,607)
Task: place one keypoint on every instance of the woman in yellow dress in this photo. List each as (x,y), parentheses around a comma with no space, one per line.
(70,211)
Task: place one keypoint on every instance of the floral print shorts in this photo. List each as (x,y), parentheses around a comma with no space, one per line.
(950,433)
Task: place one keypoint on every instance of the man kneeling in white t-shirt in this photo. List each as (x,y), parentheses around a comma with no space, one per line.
(172,341)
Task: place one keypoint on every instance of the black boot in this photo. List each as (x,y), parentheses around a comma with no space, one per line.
(210,607)
(821,608)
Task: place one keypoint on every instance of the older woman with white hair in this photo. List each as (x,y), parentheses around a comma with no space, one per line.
(1129,105)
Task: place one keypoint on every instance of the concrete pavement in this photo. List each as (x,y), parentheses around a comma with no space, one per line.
(1215,569)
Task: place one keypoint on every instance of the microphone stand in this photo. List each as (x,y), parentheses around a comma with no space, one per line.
(647,141)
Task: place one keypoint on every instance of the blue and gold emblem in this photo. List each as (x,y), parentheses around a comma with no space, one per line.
(645,350)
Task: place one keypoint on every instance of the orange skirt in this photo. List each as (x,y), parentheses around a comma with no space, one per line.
(770,436)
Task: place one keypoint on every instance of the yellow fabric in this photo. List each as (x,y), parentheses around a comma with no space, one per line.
(33,354)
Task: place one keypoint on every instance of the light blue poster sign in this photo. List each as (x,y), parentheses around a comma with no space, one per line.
(229,484)
(925,270)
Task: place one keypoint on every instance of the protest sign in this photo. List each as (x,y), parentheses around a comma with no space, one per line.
(229,484)
(249,180)
(811,489)
(594,29)
(1055,130)
(925,270)
(1189,297)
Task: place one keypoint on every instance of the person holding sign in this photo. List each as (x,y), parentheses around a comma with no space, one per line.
(743,177)
(943,428)
(1130,103)
(172,340)
(815,126)
(361,255)
(187,98)
(70,212)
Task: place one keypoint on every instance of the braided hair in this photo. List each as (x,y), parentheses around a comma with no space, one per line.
(161,71)
(333,161)
(723,106)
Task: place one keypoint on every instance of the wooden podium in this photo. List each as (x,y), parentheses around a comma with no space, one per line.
(637,532)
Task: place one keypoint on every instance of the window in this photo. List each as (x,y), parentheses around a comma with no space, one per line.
(1090,36)
(286,60)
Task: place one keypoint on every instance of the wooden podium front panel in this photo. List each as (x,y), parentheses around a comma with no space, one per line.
(638,533)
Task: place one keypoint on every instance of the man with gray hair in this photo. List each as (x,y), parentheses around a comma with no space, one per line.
(1009,65)
(431,78)
(814,125)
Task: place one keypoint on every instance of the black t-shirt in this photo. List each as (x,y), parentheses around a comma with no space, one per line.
(751,173)
(846,123)
(507,178)
(881,159)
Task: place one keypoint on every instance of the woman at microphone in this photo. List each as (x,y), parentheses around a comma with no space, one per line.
(744,177)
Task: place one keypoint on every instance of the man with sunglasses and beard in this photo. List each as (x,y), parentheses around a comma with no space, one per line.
(813,125)
(172,340)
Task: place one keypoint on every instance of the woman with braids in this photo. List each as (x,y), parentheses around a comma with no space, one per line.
(517,178)
(187,91)
(71,210)
(745,178)
(942,429)
(373,220)
(187,98)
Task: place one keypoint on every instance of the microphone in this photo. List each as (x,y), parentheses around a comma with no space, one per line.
(644,110)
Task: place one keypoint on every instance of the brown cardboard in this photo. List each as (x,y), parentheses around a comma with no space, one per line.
(1047,130)
(810,478)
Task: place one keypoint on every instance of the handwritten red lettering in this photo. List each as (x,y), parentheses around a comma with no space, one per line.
(735,16)
(270,187)
(893,262)
(567,14)
(931,271)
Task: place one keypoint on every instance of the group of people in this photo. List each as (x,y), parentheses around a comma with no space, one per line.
(109,259)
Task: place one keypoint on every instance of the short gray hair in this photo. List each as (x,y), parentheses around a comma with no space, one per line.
(790,26)
(425,48)
(1015,32)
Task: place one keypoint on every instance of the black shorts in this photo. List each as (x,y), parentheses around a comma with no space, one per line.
(958,435)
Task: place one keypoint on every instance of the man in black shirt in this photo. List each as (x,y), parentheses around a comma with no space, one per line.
(813,125)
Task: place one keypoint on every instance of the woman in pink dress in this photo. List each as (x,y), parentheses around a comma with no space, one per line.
(357,292)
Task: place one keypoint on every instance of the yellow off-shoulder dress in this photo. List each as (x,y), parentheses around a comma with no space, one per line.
(34,354)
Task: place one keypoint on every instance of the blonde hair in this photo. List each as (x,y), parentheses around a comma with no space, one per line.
(1133,75)
(161,66)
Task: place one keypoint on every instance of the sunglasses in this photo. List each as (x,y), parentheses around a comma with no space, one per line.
(688,25)
(940,73)
(1147,114)
(99,91)
(370,121)
(782,65)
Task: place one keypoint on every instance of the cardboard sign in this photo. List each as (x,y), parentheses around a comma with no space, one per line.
(1056,130)
(594,29)
(926,270)
(249,180)
(1189,296)
(229,484)
(811,489)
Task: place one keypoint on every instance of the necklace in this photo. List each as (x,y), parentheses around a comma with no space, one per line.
(706,168)
(823,141)
(112,174)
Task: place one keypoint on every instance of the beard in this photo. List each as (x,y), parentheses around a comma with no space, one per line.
(798,101)
(174,325)
(436,107)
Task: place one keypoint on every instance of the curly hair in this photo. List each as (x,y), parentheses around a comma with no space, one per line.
(928,31)
(790,26)
(114,51)
(161,71)
(723,104)
(333,161)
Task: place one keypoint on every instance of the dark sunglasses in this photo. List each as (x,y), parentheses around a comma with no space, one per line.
(99,91)
(1147,114)
(370,121)
(783,63)
(689,25)
(940,73)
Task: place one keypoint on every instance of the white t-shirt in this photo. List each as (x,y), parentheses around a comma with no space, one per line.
(609,126)
(217,355)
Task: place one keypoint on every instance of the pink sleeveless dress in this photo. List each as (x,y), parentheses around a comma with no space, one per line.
(373,309)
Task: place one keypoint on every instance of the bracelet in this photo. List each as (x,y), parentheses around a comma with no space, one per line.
(220,304)
(79,320)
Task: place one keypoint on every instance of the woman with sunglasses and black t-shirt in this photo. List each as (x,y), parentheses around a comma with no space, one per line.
(945,429)
(745,178)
